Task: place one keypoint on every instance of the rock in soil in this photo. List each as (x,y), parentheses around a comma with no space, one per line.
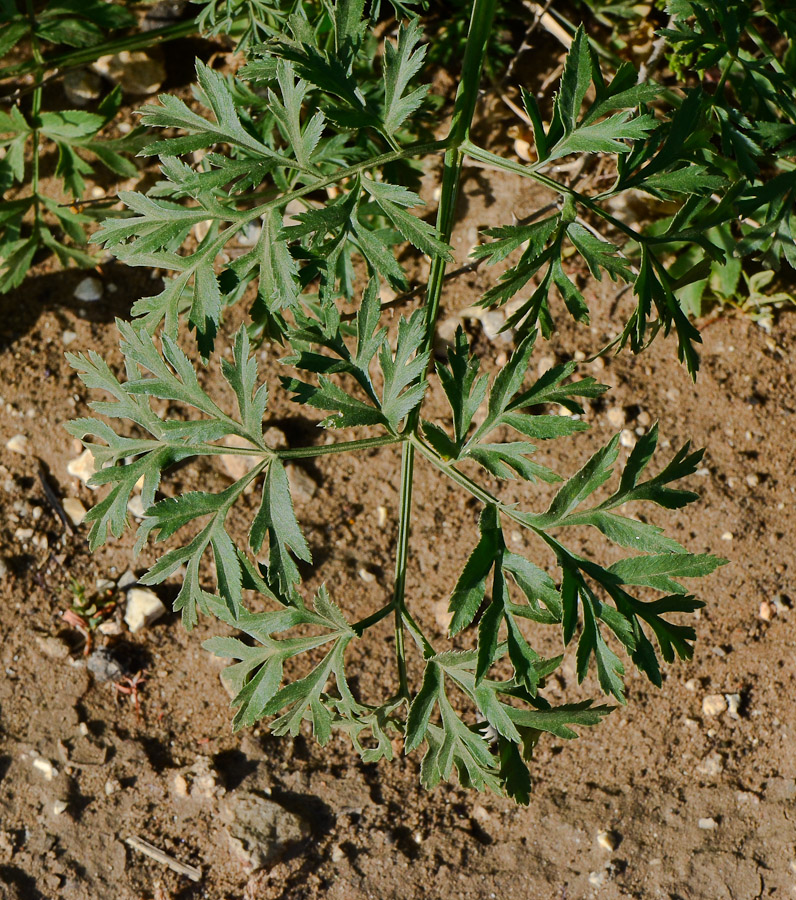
(74,509)
(237,466)
(143,608)
(82,467)
(302,485)
(81,86)
(260,830)
(104,666)
(714,704)
(89,290)
(137,72)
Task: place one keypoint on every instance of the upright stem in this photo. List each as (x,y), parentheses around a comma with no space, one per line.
(463,111)
(34,111)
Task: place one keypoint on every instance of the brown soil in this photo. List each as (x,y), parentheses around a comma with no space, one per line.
(649,773)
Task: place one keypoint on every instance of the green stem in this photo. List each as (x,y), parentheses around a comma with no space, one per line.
(461,120)
(362,625)
(471,486)
(341,447)
(34,112)
(142,41)
(293,452)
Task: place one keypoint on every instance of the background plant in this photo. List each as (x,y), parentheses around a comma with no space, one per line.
(338,150)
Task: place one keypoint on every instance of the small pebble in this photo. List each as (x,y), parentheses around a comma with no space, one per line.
(712,765)
(74,509)
(18,444)
(275,438)
(68,337)
(627,439)
(136,71)
(143,608)
(47,769)
(337,853)
(381,516)
(110,629)
(82,467)
(104,666)
(608,840)
(302,485)
(714,704)
(52,646)
(752,480)
(135,506)
(237,466)
(644,419)
(112,785)
(81,86)
(366,576)
(59,807)
(89,290)
(616,416)
(692,684)
(727,536)
(180,785)
(128,579)
(596,879)
(708,824)
(733,705)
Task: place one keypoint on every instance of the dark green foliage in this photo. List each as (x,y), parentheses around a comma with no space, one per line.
(320,175)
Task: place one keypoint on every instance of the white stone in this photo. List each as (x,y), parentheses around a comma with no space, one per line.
(616,416)
(236,465)
(767,611)
(627,439)
(608,840)
(727,536)
(128,579)
(712,765)
(180,785)
(47,769)
(112,785)
(135,506)
(143,608)
(110,629)
(733,705)
(136,71)
(89,290)
(596,879)
(74,509)
(82,467)
(18,444)
(441,615)
(445,335)
(81,86)
(302,485)
(366,576)
(275,438)
(714,704)
(68,337)
(708,824)
(337,853)
(59,807)
(381,516)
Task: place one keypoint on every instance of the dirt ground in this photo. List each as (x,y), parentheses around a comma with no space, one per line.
(697,807)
